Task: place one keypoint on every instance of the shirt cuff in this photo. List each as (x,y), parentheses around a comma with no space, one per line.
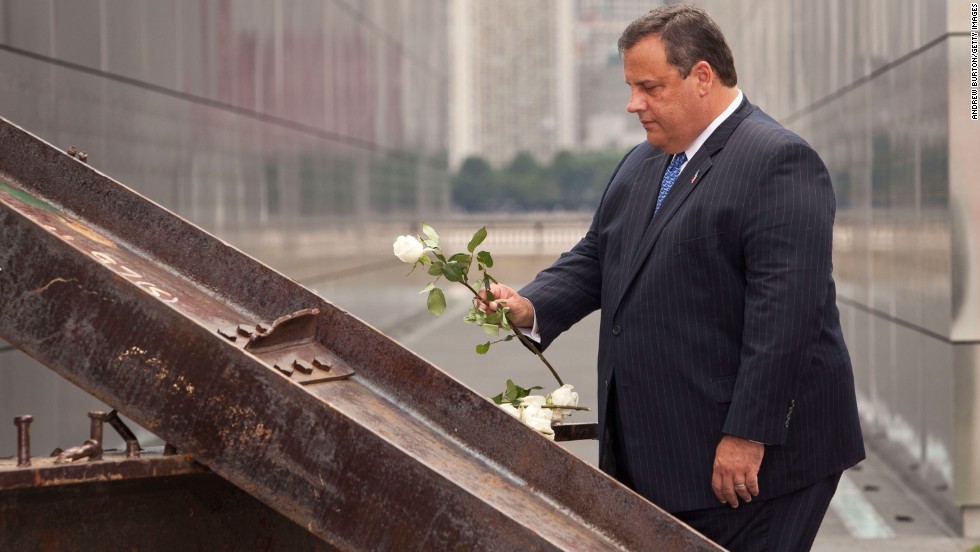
(533,333)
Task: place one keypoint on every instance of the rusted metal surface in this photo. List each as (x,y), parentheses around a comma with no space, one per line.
(316,414)
(158,503)
(46,472)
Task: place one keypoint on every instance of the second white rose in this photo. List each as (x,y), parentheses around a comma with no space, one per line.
(408,248)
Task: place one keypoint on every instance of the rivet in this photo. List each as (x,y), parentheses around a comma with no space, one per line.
(303,366)
(95,432)
(132,449)
(23,424)
(322,363)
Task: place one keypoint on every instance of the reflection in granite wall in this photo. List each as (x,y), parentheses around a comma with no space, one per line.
(241,115)
(271,123)
(868,84)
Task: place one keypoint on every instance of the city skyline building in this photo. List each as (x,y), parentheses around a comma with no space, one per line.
(605,123)
(513,79)
(539,81)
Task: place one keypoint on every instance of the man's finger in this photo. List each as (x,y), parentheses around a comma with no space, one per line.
(742,491)
(752,484)
(728,492)
(716,487)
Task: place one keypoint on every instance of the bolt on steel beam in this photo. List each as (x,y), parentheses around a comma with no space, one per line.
(23,424)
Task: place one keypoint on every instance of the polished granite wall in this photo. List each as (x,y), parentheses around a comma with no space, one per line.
(271,123)
(877,87)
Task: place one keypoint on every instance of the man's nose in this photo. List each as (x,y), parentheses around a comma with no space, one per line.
(636,104)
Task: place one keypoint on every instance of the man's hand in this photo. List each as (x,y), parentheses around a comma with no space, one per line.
(737,463)
(521,311)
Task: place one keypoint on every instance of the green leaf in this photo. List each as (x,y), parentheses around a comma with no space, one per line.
(515,392)
(478,238)
(428,288)
(453,272)
(491,329)
(485,258)
(433,244)
(436,301)
(498,398)
(430,232)
(482,349)
(462,258)
(494,318)
(436,268)
(512,391)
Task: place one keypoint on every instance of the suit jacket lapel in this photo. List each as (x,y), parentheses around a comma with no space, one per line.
(690,177)
(647,179)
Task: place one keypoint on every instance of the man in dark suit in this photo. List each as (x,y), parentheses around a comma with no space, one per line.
(726,394)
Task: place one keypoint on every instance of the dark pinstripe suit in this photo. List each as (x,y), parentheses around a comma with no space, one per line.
(718,315)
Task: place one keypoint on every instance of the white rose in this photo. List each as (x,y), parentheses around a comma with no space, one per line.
(539,424)
(529,411)
(564,396)
(534,399)
(510,409)
(557,415)
(409,249)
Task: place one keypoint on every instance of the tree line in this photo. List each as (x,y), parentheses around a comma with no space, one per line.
(571,181)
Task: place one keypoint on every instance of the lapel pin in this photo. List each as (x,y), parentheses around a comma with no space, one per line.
(695,177)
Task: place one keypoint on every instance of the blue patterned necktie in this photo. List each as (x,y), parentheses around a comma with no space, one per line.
(673,171)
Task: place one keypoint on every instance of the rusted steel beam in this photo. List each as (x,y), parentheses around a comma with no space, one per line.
(46,472)
(363,443)
(158,503)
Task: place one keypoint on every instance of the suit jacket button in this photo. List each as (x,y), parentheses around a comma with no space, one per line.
(616,329)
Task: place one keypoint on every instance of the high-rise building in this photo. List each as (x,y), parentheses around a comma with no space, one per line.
(604,122)
(513,79)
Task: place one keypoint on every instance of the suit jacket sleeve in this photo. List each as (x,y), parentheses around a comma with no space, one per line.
(571,288)
(568,290)
(787,239)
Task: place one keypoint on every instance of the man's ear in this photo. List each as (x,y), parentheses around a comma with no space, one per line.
(705,75)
